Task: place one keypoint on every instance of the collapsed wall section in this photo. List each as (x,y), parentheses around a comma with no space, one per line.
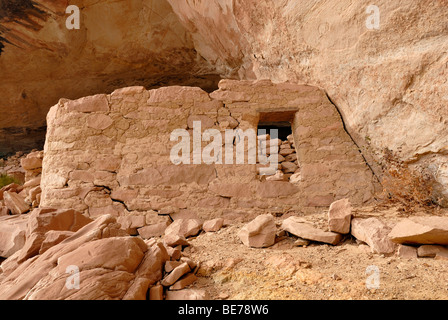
(111,153)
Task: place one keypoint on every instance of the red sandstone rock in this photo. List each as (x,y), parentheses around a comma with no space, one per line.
(12,234)
(184,281)
(259,233)
(156,293)
(184,227)
(52,238)
(339,216)
(421,230)
(155,230)
(428,250)
(174,240)
(213,225)
(297,227)
(407,252)
(175,275)
(15,203)
(120,267)
(373,232)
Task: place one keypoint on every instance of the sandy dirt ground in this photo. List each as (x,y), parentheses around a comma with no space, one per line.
(347,271)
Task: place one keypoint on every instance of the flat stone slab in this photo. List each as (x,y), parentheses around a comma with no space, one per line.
(421,230)
(297,227)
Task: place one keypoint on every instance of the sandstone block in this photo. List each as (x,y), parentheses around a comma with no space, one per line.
(184,281)
(431,251)
(175,275)
(285,152)
(339,216)
(291,157)
(407,252)
(31,163)
(15,203)
(289,167)
(174,240)
(184,227)
(373,232)
(259,233)
(297,227)
(99,121)
(96,103)
(421,230)
(441,256)
(274,189)
(155,230)
(213,225)
(12,234)
(171,265)
(156,293)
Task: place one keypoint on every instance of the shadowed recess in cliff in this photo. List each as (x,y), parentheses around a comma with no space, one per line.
(20,12)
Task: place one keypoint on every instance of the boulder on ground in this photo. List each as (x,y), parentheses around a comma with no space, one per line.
(340,216)
(373,232)
(431,251)
(184,227)
(421,230)
(407,252)
(259,233)
(213,225)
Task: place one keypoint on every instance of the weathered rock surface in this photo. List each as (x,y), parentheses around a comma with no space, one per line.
(110,265)
(339,216)
(373,232)
(12,234)
(259,233)
(403,77)
(301,229)
(135,43)
(421,230)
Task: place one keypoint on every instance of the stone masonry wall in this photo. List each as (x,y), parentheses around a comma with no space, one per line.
(111,153)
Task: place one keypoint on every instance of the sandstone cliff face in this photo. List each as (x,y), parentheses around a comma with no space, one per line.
(389,84)
(119,43)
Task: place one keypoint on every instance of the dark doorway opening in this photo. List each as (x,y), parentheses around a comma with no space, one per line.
(283,129)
